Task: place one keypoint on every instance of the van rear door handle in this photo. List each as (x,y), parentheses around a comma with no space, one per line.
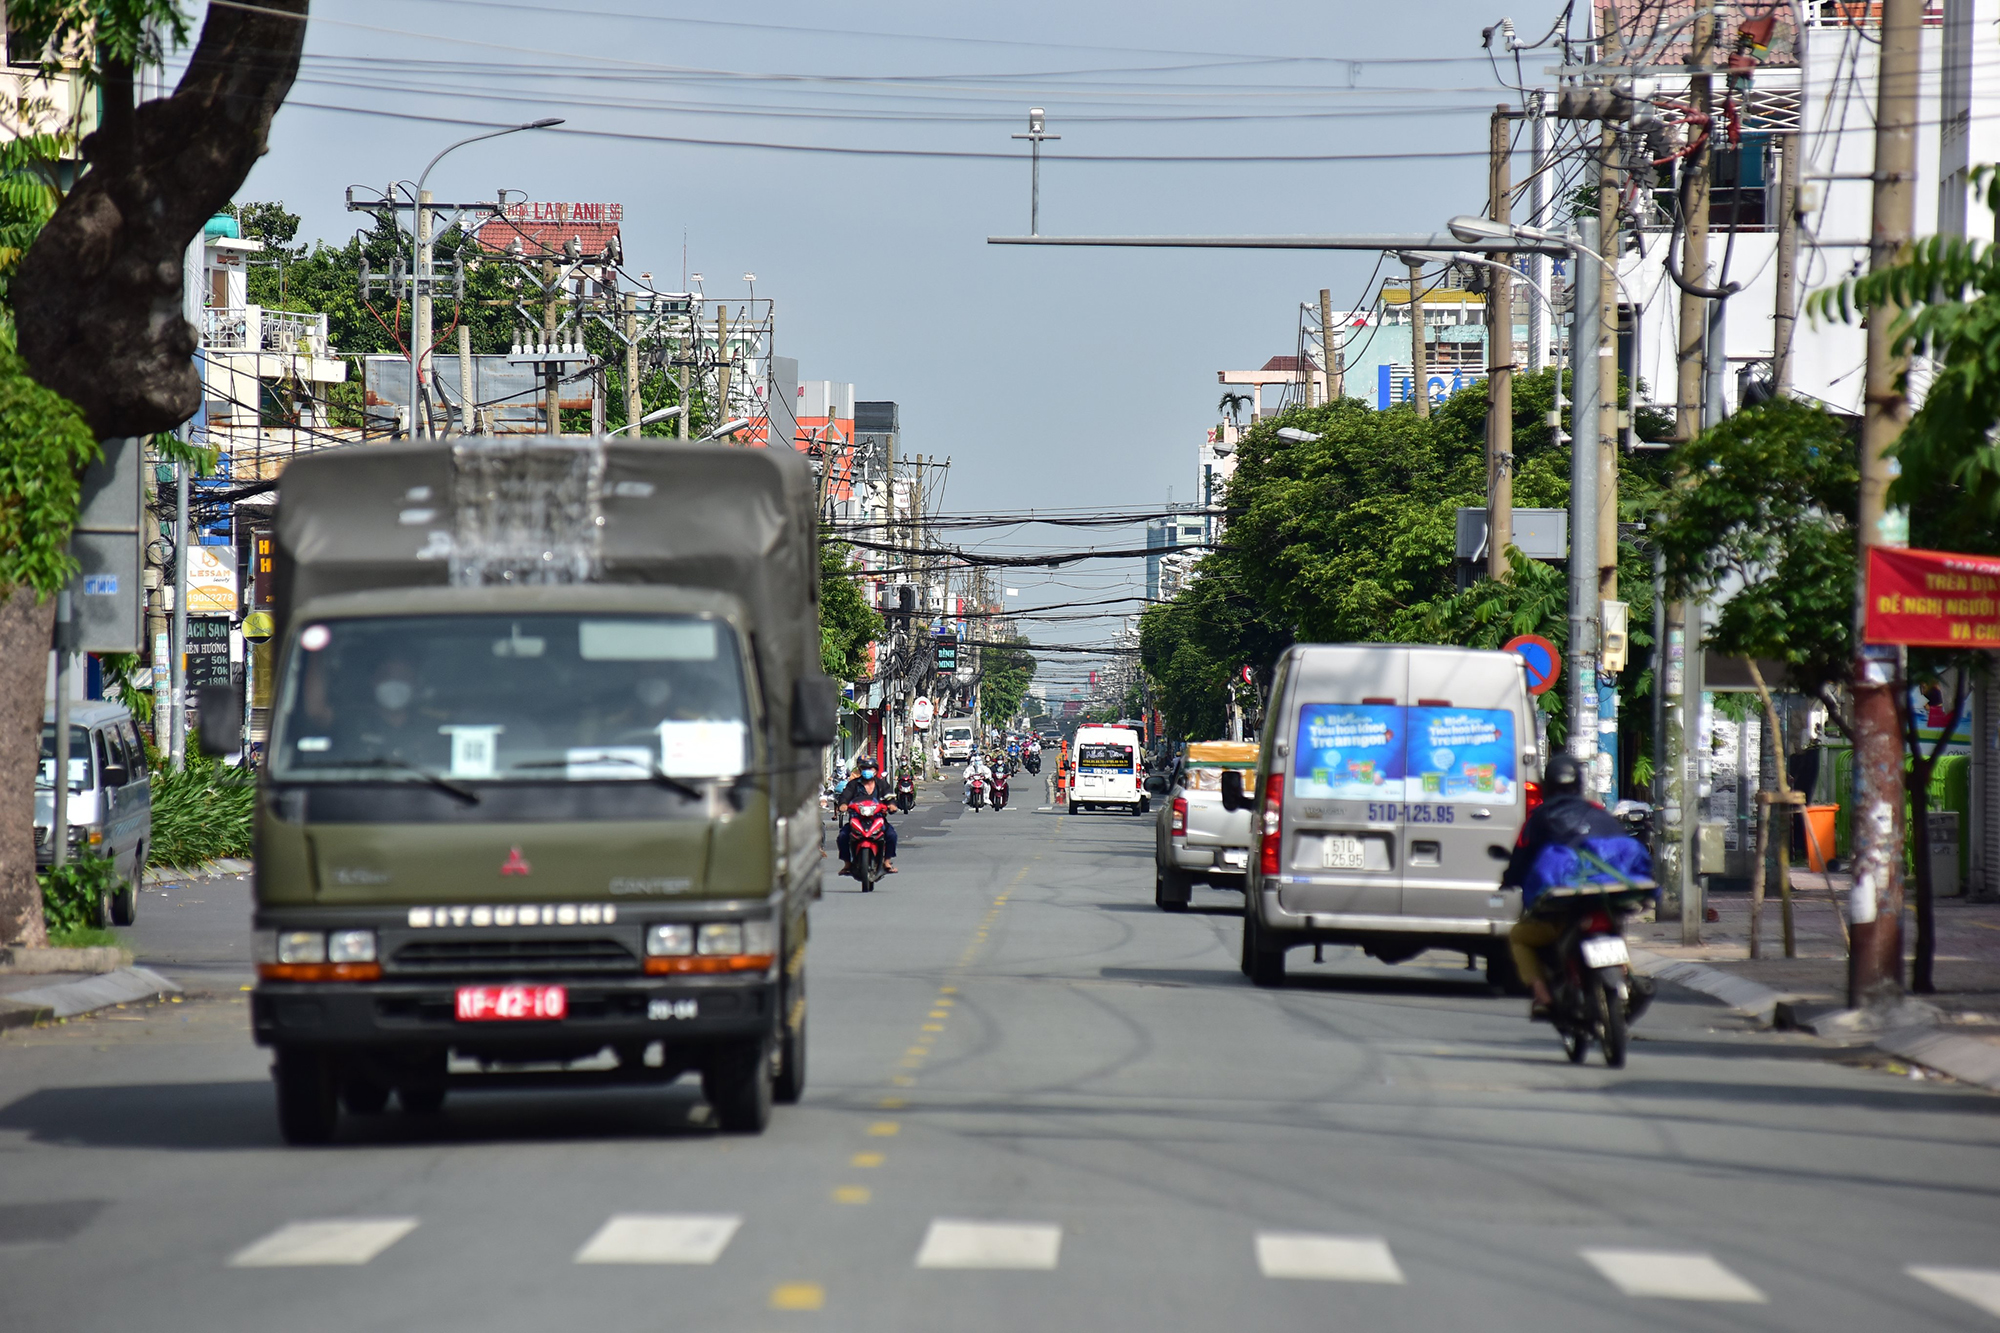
(1482,813)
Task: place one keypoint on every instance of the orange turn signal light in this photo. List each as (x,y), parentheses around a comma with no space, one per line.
(320,971)
(735,962)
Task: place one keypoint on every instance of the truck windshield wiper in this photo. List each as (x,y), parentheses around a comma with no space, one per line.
(653,771)
(444,784)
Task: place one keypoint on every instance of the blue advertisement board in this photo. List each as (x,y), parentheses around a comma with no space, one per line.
(1349,752)
(1462,754)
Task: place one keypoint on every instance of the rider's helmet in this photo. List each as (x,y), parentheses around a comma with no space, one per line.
(1562,776)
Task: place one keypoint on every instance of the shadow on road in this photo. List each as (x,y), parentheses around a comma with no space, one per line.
(1342,983)
(209,1117)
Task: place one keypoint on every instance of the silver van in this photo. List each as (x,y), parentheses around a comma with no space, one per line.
(1386,775)
(110,798)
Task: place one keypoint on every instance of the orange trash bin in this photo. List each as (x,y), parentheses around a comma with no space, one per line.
(1819,836)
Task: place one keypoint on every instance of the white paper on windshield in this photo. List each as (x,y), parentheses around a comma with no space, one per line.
(600,762)
(474,749)
(703,749)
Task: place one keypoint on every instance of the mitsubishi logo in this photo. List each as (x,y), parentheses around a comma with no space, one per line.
(515,864)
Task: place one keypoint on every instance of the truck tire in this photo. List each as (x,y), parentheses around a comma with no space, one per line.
(1171,890)
(1072,807)
(308,1110)
(1264,965)
(363,1096)
(738,1087)
(790,1084)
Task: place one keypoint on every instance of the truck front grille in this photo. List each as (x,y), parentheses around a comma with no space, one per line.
(514,957)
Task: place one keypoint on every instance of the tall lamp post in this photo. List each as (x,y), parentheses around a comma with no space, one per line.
(420,295)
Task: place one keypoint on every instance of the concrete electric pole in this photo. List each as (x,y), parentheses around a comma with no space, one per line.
(1420,371)
(1499,361)
(1875,910)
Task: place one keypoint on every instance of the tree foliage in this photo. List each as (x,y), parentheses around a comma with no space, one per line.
(44,447)
(847,624)
(1005,674)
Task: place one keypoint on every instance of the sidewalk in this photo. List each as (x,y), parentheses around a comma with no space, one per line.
(1957,1029)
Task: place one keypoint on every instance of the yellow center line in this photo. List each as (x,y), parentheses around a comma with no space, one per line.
(798,1296)
(852,1194)
(885,1129)
(865,1160)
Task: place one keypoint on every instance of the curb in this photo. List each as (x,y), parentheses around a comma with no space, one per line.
(71,998)
(1972,1060)
(1750,998)
(228,865)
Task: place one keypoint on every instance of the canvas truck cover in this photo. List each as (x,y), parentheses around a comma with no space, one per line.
(484,512)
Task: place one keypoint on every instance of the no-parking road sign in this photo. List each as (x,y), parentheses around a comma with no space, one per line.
(1545,664)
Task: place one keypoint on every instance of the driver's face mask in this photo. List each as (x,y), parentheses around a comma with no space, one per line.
(395,695)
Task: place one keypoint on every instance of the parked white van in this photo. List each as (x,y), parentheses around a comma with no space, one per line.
(1385,777)
(1109,771)
(110,809)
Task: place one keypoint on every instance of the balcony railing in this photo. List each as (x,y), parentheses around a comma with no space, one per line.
(251,328)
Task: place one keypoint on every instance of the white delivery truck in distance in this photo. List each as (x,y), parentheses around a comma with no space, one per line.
(955,739)
(1109,771)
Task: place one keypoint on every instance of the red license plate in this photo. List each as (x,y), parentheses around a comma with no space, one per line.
(502,1004)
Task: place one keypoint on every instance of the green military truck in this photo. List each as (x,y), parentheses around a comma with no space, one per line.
(540,800)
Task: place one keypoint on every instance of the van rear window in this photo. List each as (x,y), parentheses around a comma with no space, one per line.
(1105,758)
(1387,752)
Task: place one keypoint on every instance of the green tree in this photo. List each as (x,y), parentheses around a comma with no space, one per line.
(847,624)
(1005,674)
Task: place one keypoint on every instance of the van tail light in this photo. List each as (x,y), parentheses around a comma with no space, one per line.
(1268,832)
(1180,816)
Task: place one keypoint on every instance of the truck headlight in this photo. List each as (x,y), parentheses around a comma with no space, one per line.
(722,937)
(350,946)
(760,937)
(672,940)
(301,946)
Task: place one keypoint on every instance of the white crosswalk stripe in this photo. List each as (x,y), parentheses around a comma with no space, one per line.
(1672,1275)
(1975,1286)
(660,1238)
(1327,1258)
(300,1244)
(952,1244)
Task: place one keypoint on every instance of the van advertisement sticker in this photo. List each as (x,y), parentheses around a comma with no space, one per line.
(1349,752)
(1461,754)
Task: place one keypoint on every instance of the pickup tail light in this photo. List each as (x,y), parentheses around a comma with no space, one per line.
(1270,824)
(1180,816)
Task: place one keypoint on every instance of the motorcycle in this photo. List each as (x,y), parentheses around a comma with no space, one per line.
(1596,997)
(999,791)
(906,793)
(1034,763)
(975,793)
(867,836)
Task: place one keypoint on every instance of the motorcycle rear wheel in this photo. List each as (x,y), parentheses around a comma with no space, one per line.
(1576,1044)
(1611,1012)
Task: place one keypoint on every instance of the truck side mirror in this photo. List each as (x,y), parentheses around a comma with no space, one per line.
(221,709)
(1232,790)
(815,711)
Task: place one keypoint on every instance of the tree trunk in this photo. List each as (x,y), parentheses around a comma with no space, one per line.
(97,298)
(1921,980)
(25,629)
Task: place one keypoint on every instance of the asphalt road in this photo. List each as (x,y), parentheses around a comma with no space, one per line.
(1036,1103)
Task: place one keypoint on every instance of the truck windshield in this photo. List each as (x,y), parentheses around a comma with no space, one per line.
(513,698)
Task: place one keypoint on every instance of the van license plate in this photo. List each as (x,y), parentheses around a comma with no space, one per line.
(502,1004)
(1337,853)
(1605,951)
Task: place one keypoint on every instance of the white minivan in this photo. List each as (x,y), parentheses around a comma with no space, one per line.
(1389,778)
(955,739)
(1109,772)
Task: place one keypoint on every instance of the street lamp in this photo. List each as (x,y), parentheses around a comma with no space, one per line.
(657,414)
(726,428)
(420,333)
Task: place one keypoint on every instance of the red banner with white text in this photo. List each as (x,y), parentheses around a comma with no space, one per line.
(1933,599)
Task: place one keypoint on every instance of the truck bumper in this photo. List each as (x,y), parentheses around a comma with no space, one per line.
(422,1015)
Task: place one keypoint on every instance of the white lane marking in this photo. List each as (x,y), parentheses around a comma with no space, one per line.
(660,1238)
(295,1244)
(950,1244)
(1674,1275)
(1329,1258)
(1975,1286)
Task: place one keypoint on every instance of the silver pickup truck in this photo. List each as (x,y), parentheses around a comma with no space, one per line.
(1196,839)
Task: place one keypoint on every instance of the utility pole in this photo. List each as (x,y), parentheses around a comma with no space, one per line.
(1875,961)
(551,371)
(1499,362)
(1336,388)
(420,318)
(1608,435)
(59,788)
(177,748)
(721,366)
(1538,265)
(1785,313)
(1586,314)
(465,393)
(1419,366)
(1680,816)
(1037,135)
(632,412)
